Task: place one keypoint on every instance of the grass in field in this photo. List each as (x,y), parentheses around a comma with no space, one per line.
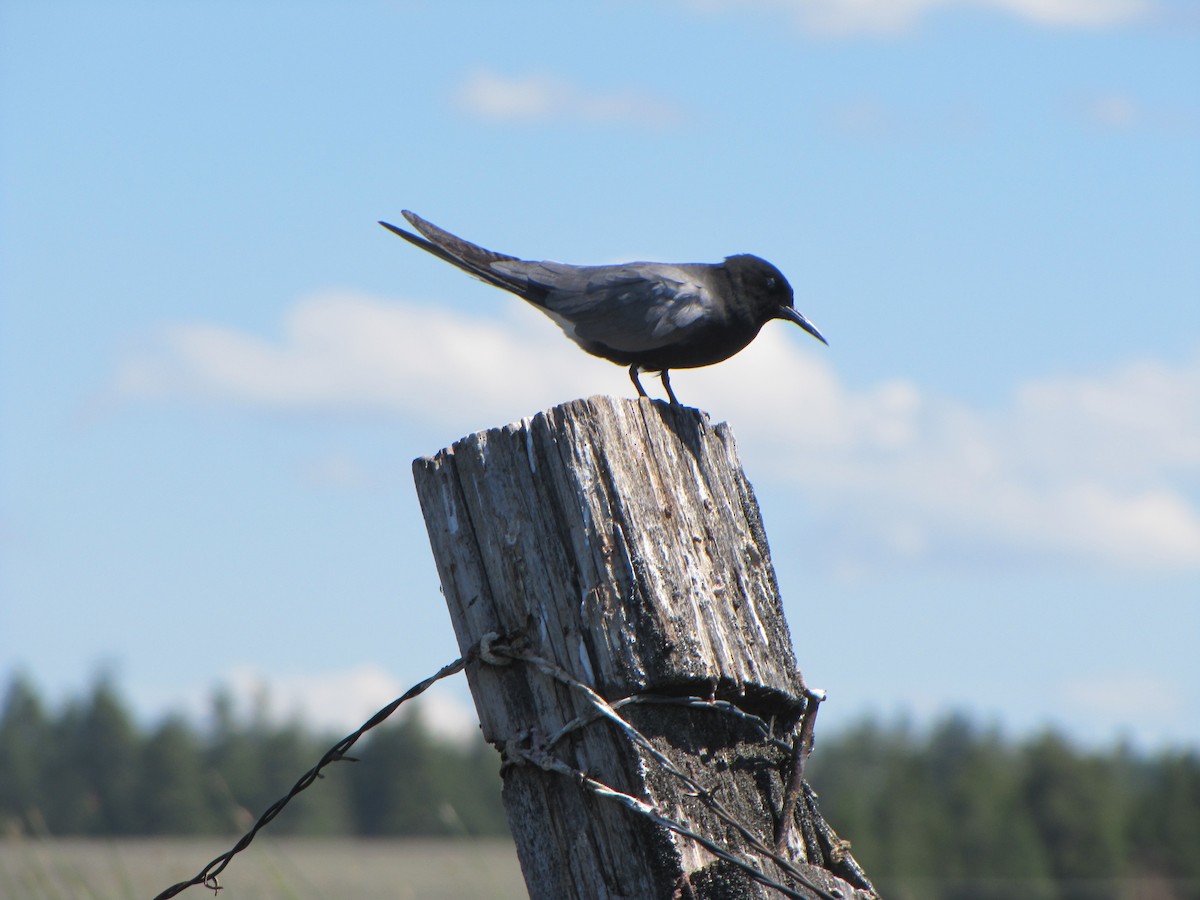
(383,869)
(270,869)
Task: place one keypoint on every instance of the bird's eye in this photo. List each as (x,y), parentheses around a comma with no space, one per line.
(770,283)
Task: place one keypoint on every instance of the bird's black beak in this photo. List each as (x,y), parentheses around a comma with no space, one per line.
(787,312)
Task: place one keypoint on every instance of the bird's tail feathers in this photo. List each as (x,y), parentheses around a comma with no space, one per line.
(471,258)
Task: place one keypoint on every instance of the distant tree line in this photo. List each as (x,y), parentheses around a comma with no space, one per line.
(89,770)
(955,801)
(959,802)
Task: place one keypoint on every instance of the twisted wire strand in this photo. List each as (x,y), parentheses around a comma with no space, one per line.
(208,875)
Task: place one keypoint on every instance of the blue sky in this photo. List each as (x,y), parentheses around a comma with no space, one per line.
(215,368)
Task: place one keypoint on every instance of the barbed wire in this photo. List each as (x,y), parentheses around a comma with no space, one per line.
(540,757)
(551,764)
(491,650)
(337,753)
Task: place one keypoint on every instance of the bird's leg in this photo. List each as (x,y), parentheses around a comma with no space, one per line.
(633,376)
(670,393)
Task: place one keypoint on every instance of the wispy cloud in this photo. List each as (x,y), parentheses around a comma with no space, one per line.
(335,701)
(338,470)
(347,353)
(1090,469)
(1112,110)
(1098,469)
(541,97)
(342,700)
(1118,111)
(1141,706)
(1096,695)
(843,17)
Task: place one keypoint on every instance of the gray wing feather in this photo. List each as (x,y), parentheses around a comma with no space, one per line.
(613,305)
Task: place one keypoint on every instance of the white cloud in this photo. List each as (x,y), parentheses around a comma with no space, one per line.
(1083,13)
(1100,469)
(840,17)
(543,97)
(342,352)
(1082,468)
(342,701)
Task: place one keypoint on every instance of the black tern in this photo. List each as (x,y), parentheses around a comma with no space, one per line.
(652,317)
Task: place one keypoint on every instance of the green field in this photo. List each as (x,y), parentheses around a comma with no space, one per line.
(287,868)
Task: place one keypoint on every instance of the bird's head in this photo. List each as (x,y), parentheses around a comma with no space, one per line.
(765,287)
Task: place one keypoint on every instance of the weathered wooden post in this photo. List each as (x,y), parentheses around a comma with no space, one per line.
(619,544)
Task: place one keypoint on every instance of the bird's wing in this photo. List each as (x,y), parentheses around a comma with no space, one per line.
(633,307)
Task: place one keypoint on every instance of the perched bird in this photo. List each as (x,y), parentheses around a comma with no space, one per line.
(652,317)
